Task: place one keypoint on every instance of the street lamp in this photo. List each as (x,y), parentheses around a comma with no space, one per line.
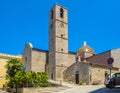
(23,68)
(15,85)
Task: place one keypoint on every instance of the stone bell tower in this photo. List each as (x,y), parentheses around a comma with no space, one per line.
(58,42)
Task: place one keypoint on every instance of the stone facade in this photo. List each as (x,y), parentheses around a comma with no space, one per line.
(71,58)
(88,73)
(35,59)
(39,60)
(80,68)
(115,53)
(98,73)
(27,56)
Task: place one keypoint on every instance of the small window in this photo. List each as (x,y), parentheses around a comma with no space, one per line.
(61,35)
(25,59)
(61,12)
(52,76)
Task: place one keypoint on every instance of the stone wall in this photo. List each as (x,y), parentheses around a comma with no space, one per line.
(116,55)
(97,73)
(81,68)
(39,60)
(71,58)
(27,54)
(35,59)
(89,74)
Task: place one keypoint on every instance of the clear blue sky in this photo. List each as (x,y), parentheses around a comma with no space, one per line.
(94,21)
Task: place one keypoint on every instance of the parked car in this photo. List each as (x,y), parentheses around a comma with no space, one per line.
(112,80)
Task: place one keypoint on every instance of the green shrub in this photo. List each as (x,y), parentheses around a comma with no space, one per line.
(23,78)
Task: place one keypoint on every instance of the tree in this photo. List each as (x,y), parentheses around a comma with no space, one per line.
(23,78)
(42,79)
(13,66)
(39,79)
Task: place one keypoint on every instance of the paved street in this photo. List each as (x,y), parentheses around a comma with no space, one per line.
(106,90)
(83,89)
(1,91)
(92,89)
(80,89)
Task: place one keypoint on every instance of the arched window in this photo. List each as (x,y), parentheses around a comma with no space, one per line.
(61,12)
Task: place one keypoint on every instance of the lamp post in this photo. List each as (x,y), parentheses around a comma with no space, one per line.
(23,68)
(14,84)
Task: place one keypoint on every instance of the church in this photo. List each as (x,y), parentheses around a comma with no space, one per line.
(82,66)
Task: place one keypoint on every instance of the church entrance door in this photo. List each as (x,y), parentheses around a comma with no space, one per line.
(77,78)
